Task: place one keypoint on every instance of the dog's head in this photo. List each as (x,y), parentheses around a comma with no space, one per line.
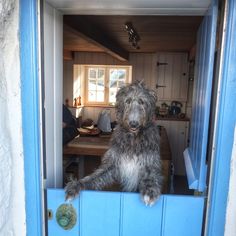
(135,106)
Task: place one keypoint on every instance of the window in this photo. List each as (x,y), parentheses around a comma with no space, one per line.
(103,82)
(96,85)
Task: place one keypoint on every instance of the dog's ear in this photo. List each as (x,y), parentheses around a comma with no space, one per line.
(141,83)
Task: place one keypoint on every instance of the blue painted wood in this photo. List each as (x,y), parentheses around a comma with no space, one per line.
(182,215)
(195,156)
(224,130)
(55,199)
(138,219)
(30,114)
(100,213)
(124,214)
(192,178)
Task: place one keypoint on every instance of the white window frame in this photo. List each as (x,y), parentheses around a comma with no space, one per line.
(106,82)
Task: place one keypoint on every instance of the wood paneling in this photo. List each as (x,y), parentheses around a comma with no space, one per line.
(158,33)
(117,213)
(173,74)
(92,58)
(93,34)
(144,67)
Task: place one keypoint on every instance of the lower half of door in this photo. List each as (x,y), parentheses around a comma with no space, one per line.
(96,213)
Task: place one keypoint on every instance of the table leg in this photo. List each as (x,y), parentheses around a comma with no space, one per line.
(81,167)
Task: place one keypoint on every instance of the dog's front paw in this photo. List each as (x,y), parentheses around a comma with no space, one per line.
(72,189)
(150,196)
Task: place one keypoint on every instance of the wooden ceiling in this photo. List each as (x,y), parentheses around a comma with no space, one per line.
(108,34)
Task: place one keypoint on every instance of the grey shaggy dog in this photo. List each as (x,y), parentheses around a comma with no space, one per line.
(133,158)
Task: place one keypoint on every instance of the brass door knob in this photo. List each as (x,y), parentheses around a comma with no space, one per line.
(66,216)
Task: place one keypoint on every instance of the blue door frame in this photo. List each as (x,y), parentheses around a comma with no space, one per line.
(31,126)
(224,129)
(29,64)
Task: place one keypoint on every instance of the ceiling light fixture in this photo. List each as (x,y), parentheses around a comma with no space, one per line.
(134,38)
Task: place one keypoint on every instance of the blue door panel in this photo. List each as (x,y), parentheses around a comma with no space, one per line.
(138,219)
(124,214)
(195,154)
(55,199)
(182,216)
(99,213)
(224,130)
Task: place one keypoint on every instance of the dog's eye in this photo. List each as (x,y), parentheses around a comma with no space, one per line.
(128,101)
(140,101)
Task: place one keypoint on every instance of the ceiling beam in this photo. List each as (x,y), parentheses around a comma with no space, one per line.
(68,55)
(94,35)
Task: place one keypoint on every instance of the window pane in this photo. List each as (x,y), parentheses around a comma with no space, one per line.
(100,85)
(122,74)
(116,80)
(92,84)
(113,84)
(101,73)
(117,74)
(92,73)
(121,83)
(100,96)
(92,96)
(112,96)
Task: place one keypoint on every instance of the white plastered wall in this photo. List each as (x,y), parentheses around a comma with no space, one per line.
(12,194)
(53,67)
(230,225)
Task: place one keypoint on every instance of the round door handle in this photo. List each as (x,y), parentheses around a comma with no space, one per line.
(66,216)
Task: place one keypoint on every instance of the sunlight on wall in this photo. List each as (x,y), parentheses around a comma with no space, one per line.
(230,226)
(12,194)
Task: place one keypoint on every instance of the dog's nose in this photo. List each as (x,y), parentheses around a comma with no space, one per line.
(133,124)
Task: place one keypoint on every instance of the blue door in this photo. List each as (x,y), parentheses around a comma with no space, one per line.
(123,214)
(195,154)
(113,213)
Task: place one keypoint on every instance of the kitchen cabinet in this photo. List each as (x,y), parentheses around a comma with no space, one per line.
(172,76)
(177,132)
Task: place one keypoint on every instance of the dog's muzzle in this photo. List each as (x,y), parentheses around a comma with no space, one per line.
(134,126)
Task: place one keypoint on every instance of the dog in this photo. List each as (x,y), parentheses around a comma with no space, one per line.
(133,158)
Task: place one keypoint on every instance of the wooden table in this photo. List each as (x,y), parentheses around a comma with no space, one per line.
(85,146)
(98,145)
(90,146)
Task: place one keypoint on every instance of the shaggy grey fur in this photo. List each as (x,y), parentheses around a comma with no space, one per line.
(133,158)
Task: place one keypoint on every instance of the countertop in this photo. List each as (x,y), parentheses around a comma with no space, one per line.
(172,118)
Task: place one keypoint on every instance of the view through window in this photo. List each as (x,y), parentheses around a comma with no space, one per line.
(103,82)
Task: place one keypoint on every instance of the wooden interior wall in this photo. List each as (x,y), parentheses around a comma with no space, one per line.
(97,59)
(144,67)
(144,64)
(68,81)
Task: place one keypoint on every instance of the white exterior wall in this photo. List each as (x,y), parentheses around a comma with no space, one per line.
(12,194)
(230,225)
(53,66)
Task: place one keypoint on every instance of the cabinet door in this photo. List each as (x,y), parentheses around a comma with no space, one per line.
(177,132)
(178,143)
(172,72)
